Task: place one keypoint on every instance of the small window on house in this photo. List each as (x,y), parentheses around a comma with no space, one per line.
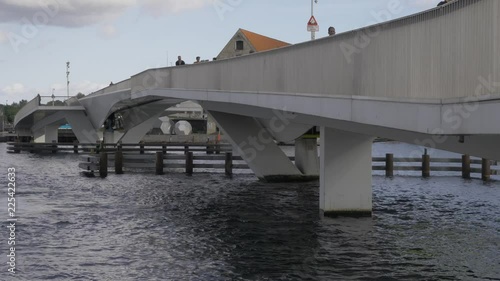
(239,45)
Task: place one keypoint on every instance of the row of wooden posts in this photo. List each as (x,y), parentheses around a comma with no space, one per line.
(426,168)
(159,164)
(161,150)
(389,167)
(211,148)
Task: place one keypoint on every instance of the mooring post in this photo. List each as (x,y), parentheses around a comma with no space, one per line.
(229,164)
(97,146)
(209,147)
(159,163)
(426,165)
(54,146)
(466,166)
(119,159)
(485,170)
(189,163)
(75,147)
(389,165)
(103,164)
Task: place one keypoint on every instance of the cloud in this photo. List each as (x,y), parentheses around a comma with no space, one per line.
(107,31)
(160,7)
(62,13)
(15,92)
(18,91)
(424,3)
(3,37)
(78,13)
(85,87)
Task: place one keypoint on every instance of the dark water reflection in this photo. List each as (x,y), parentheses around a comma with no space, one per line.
(209,227)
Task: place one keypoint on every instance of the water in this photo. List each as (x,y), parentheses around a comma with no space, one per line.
(209,227)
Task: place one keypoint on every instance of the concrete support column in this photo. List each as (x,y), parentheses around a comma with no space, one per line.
(82,127)
(346,173)
(306,156)
(108,137)
(46,134)
(39,135)
(135,134)
(257,147)
(51,133)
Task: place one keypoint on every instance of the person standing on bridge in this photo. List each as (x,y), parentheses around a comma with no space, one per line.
(179,61)
(443,2)
(197,60)
(331,31)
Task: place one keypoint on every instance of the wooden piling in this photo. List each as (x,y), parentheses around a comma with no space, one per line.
(159,163)
(164,149)
(75,147)
(485,170)
(389,165)
(426,166)
(118,160)
(210,149)
(103,164)
(97,147)
(229,164)
(141,148)
(466,166)
(189,163)
(54,147)
(17,145)
(186,149)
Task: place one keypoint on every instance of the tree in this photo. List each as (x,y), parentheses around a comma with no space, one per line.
(56,103)
(80,95)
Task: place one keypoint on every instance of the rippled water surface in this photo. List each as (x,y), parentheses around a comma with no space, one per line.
(209,227)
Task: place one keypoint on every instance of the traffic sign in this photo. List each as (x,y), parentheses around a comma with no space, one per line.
(312,25)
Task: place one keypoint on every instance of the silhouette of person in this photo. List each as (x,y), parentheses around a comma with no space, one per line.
(197,60)
(179,61)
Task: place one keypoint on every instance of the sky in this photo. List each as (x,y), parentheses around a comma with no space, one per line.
(110,40)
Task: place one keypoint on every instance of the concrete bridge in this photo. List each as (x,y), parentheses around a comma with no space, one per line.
(431,79)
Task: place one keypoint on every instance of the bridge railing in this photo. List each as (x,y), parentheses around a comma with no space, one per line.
(442,53)
(55,101)
(27,109)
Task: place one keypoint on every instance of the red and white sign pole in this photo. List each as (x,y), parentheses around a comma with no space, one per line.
(312,24)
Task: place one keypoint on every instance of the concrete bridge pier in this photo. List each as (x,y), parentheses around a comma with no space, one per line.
(346,173)
(46,134)
(82,127)
(306,156)
(136,133)
(257,147)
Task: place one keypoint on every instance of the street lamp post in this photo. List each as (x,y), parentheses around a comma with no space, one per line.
(67,78)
